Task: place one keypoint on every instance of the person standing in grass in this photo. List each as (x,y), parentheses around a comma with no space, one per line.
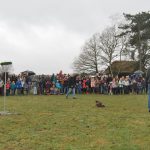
(71,85)
(148,83)
(1,87)
(35,87)
(93,81)
(13,88)
(8,88)
(18,86)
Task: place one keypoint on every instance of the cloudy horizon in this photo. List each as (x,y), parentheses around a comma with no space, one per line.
(45,36)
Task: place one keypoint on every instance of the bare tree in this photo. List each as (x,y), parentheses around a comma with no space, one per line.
(89,58)
(123,47)
(109,43)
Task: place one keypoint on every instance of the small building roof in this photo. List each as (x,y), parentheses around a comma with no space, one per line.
(126,67)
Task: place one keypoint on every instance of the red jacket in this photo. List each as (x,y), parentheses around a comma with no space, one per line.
(7,86)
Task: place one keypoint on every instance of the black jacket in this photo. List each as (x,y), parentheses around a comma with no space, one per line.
(72,82)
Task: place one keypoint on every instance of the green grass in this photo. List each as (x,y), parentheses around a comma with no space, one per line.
(56,123)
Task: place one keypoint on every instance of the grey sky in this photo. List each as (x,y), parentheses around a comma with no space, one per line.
(46,35)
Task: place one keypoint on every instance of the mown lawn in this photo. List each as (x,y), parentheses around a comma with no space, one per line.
(57,123)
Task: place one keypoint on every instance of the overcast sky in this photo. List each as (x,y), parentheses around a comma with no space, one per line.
(46,35)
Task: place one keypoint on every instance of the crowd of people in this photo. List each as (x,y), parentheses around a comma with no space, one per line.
(81,84)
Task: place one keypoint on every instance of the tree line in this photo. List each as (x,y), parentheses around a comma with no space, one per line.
(127,40)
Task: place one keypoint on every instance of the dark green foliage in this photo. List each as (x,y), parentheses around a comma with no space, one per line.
(138,27)
(5,63)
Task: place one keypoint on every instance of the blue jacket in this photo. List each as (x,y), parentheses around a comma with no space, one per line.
(18,84)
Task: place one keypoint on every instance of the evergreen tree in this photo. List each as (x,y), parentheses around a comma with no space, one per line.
(139,28)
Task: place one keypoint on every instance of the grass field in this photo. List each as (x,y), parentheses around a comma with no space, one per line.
(56,123)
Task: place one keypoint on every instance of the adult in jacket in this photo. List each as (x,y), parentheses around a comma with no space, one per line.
(71,86)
